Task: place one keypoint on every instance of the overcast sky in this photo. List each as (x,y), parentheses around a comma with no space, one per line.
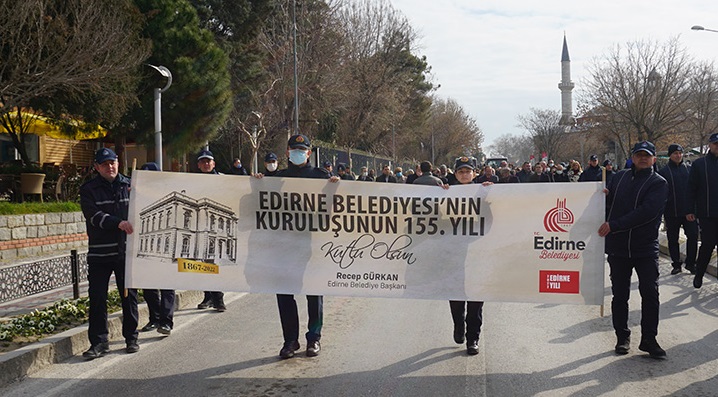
(498,59)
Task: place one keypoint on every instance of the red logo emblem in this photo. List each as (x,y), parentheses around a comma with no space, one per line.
(558,217)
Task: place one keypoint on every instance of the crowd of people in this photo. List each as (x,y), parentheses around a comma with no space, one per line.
(638,198)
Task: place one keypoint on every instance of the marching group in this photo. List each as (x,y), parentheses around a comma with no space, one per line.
(638,197)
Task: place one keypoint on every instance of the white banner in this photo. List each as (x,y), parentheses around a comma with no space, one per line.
(530,242)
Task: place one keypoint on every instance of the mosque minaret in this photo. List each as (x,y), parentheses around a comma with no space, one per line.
(566,86)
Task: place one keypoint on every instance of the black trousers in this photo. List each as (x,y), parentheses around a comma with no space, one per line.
(216,297)
(98,275)
(690,229)
(289,317)
(621,272)
(473,317)
(161,305)
(709,239)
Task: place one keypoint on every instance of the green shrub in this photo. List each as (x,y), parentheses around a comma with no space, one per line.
(8,208)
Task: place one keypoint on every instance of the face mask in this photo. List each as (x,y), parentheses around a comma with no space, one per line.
(297,156)
(271,167)
(559,172)
(398,174)
(238,166)
(364,174)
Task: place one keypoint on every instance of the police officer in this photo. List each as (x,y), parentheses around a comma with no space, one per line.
(635,201)
(676,174)
(206,165)
(160,303)
(270,164)
(299,152)
(470,312)
(105,202)
(703,204)
(592,173)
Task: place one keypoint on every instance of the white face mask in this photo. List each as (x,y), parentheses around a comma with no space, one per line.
(559,172)
(298,156)
(271,167)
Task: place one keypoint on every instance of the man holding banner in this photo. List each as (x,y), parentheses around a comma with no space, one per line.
(299,152)
(635,201)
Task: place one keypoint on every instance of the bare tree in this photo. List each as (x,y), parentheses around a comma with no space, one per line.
(702,117)
(516,148)
(643,86)
(73,50)
(543,126)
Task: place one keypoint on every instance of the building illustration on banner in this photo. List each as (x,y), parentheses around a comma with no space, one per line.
(179,226)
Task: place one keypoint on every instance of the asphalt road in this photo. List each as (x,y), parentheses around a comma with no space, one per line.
(388,347)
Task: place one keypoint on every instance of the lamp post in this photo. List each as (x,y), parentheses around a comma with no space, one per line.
(699,27)
(158,111)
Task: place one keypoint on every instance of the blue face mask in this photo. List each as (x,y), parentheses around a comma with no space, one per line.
(398,174)
(298,156)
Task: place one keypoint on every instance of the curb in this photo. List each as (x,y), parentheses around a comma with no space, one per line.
(18,364)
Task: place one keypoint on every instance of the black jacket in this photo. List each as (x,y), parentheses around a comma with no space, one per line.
(104,206)
(703,187)
(591,174)
(385,178)
(677,177)
(634,206)
(306,171)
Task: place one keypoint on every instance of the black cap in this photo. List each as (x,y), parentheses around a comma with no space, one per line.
(327,164)
(593,157)
(151,166)
(713,138)
(270,157)
(341,167)
(463,162)
(673,148)
(644,146)
(205,154)
(299,141)
(105,154)
(607,162)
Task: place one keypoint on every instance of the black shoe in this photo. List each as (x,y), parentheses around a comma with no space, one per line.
(132,347)
(288,349)
(652,348)
(459,334)
(164,330)
(623,345)
(205,304)
(313,348)
(149,327)
(220,307)
(472,347)
(697,281)
(676,270)
(691,268)
(96,351)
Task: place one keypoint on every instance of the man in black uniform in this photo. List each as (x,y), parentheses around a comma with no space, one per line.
(299,152)
(105,201)
(703,204)
(592,173)
(342,172)
(676,174)
(635,201)
(206,165)
(270,164)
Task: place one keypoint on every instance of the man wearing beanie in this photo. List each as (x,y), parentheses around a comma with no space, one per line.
(676,174)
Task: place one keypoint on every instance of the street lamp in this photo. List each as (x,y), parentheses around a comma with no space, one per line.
(699,27)
(158,111)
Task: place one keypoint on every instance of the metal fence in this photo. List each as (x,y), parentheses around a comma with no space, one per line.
(358,159)
(19,281)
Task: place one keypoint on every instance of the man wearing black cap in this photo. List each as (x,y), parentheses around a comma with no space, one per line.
(299,152)
(342,172)
(105,201)
(328,166)
(270,164)
(206,165)
(635,201)
(592,173)
(676,174)
(610,172)
(703,204)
